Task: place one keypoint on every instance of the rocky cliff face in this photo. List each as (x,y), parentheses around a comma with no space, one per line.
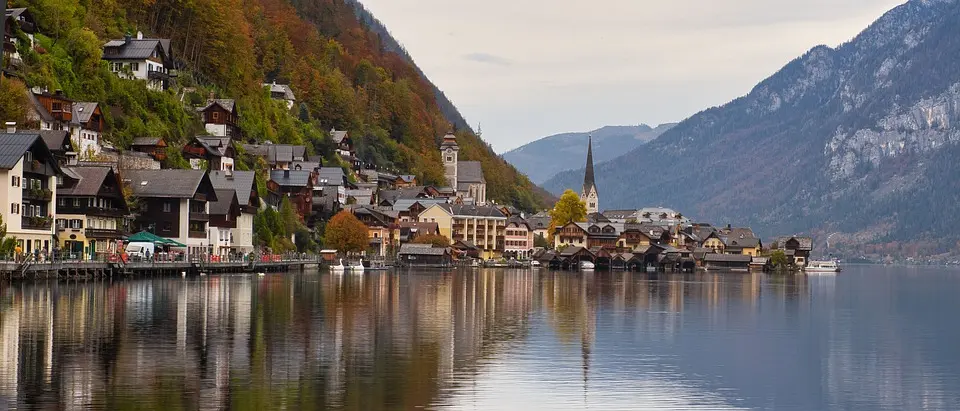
(854,140)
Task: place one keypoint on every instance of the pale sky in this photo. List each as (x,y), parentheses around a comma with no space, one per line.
(525,69)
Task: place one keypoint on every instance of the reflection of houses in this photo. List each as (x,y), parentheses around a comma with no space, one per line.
(29,172)
(141,59)
(90,211)
(220,117)
(174,204)
(796,248)
(248,198)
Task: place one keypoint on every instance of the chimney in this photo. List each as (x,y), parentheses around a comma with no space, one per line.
(11,127)
(58,93)
(139,35)
(127,38)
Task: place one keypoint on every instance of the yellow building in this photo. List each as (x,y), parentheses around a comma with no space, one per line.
(482,226)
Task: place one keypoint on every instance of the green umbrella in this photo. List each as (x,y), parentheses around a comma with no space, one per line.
(147,237)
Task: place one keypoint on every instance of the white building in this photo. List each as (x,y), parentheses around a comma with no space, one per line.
(248,199)
(86,127)
(142,59)
(28,177)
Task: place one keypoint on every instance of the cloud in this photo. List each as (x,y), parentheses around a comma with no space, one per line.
(487,59)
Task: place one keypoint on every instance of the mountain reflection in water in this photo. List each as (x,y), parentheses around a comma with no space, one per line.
(871,338)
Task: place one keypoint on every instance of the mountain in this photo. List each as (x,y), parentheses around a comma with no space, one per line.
(543,158)
(859,140)
(345,69)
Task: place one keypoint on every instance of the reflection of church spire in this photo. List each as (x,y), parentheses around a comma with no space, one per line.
(585,355)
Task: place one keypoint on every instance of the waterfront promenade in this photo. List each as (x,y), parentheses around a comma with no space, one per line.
(77,269)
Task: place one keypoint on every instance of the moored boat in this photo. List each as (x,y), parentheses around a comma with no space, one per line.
(587,266)
(822,267)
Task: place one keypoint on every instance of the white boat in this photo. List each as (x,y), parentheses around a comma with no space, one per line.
(357,268)
(822,267)
(534,264)
(587,266)
(337,268)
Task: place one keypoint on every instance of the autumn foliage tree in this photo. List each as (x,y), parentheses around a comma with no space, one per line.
(437,240)
(569,209)
(345,233)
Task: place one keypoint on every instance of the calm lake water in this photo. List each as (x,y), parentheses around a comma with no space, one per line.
(871,338)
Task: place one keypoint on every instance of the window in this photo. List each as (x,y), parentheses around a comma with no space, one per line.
(61,223)
(449,159)
(115,67)
(62,202)
(134,66)
(76,202)
(166,207)
(28,157)
(59,181)
(57,106)
(14,208)
(13,181)
(76,224)
(216,116)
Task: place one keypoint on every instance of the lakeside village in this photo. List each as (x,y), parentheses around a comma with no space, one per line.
(70,195)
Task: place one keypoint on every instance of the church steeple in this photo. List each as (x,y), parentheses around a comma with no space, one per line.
(590,196)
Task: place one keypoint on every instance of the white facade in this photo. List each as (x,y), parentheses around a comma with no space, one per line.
(87,142)
(219,130)
(243,234)
(13,209)
(138,70)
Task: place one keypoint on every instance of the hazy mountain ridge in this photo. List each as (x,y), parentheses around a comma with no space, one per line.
(852,140)
(545,157)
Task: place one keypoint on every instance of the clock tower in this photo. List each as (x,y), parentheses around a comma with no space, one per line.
(448,155)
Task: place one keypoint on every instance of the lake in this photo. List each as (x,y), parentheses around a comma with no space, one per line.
(870,338)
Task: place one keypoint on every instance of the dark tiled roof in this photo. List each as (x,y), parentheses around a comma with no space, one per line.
(39,108)
(146,141)
(217,146)
(82,111)
(470,172)
(242,182)
(333,175)
(746,242)
(167,183)
(57,140)
(291,178)
(727,258)
(227,103)
(91,181)
(422,249)
(226,198)
(281,88)
(471,210)
(135,48)
(13,146)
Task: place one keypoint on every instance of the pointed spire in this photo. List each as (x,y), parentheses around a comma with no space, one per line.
(588,180)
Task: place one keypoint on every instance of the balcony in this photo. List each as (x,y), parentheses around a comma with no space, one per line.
(157,75)
(37,167)
(36,223)
(197,234)
(103,233)
(194,216)
(41,194)
(91,211)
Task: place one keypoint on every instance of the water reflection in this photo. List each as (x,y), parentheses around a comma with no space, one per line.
(480,340)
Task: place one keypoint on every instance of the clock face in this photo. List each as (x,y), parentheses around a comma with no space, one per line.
(449,150)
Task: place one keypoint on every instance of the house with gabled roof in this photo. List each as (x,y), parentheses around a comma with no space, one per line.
(153,146)
(282,92)
(221,117)
(342,142)
(28,174)
(140,58)
(277,156)
(17,20)
(50,111)
(296,185)
(86,129)
(91,212)
(248,199)
(60,144)
(211,153)
(173,204)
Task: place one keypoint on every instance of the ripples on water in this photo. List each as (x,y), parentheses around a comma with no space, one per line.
(871,338)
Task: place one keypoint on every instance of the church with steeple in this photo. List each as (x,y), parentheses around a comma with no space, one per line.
(590,196)
(465,177)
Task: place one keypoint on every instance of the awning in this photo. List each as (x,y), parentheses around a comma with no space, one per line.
(148,237)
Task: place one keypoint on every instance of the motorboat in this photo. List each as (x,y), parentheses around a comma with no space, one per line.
(822,267)
(587,266)
(339,268)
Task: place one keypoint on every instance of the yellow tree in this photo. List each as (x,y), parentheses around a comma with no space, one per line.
(345,233)
(569,209)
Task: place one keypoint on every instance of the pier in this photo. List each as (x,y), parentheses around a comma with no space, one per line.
(75,269)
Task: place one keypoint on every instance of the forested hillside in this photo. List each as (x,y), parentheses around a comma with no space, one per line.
(344,74)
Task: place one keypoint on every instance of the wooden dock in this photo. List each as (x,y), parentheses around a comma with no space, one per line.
(34,270)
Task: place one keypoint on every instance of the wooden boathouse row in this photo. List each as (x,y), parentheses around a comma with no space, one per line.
(30,270)
(658,257)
